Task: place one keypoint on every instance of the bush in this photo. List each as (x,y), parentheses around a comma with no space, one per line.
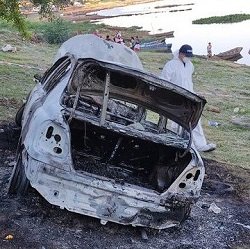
(56,31)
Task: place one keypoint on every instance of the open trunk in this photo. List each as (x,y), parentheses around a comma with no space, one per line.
(118,119)
(123,158)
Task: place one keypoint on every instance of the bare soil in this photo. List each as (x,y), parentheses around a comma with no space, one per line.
(34,223)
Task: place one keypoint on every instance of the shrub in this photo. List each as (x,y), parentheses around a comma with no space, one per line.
(56,31)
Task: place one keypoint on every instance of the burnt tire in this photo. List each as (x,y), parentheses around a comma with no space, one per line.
(185,212)
(18,183)
(19,115)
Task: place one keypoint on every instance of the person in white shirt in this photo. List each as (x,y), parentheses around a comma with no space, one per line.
(179,71)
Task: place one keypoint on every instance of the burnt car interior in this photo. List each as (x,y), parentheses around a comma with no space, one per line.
(118,127)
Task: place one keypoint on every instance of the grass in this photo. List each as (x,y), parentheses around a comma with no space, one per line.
(223,19)
(225,85)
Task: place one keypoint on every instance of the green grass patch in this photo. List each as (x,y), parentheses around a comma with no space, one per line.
(223,19)
(16,82)
(60,30)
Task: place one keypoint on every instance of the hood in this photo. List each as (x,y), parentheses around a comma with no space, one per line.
(176,55)
(138,87)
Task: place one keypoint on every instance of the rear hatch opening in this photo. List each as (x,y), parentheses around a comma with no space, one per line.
(123,158)
(118,119)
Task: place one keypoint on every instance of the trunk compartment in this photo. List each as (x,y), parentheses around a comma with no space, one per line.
(124,158)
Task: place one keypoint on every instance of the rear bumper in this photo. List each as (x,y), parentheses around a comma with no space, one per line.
(105,199)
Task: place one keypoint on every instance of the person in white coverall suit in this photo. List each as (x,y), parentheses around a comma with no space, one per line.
(179,71)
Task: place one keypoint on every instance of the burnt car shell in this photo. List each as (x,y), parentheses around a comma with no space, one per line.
(96,138)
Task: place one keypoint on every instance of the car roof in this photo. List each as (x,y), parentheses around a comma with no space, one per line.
(92,46)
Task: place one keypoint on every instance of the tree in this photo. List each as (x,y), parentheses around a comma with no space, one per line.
(10,11)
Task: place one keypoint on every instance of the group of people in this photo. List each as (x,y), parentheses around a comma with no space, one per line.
(134,43)
(179,71)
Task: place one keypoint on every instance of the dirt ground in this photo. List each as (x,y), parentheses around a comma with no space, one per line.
(34,223)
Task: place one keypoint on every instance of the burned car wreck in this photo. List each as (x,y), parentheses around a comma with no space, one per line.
(96,138)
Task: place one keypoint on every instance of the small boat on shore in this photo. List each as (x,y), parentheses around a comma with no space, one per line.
(168,34)
(231,55)
(157,46)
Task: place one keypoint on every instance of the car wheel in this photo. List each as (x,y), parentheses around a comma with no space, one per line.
(19,183)
(19,114)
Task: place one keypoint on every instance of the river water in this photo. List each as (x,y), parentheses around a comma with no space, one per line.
(159,16)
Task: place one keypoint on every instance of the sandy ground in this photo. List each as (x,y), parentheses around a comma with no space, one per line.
(34,223)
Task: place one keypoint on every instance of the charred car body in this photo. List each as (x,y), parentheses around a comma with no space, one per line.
(96,140)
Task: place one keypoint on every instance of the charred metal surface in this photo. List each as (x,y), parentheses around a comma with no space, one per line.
(9,135)
(152,92)
(123,174)
(124,158)
(105,98)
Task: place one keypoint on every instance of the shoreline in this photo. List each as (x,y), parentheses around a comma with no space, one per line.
(78,14)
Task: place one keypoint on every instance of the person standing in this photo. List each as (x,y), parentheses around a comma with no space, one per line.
(118,38)
(179,71)
(209,50)
(132,42)
(137,45)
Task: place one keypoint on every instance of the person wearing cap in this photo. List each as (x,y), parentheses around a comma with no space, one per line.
(179,71)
